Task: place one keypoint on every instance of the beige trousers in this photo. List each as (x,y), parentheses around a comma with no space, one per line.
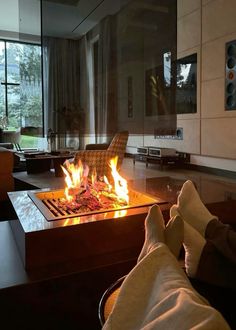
(156,294)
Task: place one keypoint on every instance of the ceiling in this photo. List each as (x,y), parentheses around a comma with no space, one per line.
(65,2)
(73,18)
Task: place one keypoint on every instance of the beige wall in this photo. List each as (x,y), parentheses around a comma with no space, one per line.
(204,26)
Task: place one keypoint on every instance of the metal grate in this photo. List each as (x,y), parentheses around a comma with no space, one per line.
(48,203)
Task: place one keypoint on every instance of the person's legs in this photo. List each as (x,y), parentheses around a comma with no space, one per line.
(210,245)
(156,294)
(223,237)
(190,207)
(154,232)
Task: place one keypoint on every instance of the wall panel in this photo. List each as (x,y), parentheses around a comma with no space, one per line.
(218,137)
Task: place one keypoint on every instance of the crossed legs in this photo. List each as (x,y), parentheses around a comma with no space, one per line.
(210,246)
(156,294)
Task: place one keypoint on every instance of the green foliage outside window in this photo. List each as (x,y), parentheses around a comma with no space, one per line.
(24,69)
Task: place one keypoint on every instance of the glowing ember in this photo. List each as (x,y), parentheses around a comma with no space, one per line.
(86,194)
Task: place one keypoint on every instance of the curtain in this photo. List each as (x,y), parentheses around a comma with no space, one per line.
(106,110)
(101,115)
(64,115)
(86,88)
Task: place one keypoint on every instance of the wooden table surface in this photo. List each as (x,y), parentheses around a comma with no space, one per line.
(59,298)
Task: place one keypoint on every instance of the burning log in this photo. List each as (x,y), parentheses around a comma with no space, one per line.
(84,194)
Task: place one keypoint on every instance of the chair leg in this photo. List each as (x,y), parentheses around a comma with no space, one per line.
(18,148)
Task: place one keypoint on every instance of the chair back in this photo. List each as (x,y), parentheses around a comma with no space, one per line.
(118,146)
(108,300)
(99,159)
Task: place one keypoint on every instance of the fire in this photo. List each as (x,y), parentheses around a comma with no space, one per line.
(121,186)
(84,193)
(74,179)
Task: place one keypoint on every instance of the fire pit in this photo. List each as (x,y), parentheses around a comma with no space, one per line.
(59,229)
(84,196)
(49,203)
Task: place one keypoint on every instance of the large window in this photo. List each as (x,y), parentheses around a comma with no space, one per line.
(21,89)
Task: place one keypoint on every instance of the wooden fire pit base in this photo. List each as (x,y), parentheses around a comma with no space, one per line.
(77,243)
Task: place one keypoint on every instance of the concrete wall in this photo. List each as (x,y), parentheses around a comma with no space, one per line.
(20,16)
(9,16)
(204,26)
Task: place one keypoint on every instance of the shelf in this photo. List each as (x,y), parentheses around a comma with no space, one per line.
(180,158)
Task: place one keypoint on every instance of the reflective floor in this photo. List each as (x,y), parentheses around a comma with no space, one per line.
(212,188)
(139,170)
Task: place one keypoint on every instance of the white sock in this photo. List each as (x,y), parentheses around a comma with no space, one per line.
(193,245)
(154,230)
(174,235)
(191,209)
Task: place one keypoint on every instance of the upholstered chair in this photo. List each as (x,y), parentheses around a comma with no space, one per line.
(99,159)
(6,169)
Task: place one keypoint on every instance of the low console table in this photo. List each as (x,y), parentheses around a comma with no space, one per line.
(37,162)
(178,159)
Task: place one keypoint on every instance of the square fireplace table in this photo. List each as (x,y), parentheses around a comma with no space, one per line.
(79,242)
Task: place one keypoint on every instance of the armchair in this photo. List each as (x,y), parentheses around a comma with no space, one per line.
(99,159)
(12,136)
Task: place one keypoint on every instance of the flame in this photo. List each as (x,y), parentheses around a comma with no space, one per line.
(77,182)
(74,178)
(120,184)
(109,186)
(94,176)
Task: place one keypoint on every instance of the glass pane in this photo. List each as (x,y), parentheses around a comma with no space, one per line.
(14,111)
(134,85)
(2,80)
(24,98)
(30,86)
(2,62)
(13,69)
(2,102)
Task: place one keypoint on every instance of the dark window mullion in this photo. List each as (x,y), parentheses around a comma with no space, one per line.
(10,84)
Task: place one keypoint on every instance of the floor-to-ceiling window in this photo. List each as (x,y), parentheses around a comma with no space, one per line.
(21,90)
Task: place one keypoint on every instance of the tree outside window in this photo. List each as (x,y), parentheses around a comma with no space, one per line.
(21,86)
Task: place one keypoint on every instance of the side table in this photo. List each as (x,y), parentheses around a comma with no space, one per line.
(42,162)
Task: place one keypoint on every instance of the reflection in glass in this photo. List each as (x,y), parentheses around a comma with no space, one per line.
(134,39)
(186,92)
(2,80)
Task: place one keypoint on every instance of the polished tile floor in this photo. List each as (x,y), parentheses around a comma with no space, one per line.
(139,171)
(212,188)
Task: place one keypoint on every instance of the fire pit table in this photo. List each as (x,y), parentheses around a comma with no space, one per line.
(77,241)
